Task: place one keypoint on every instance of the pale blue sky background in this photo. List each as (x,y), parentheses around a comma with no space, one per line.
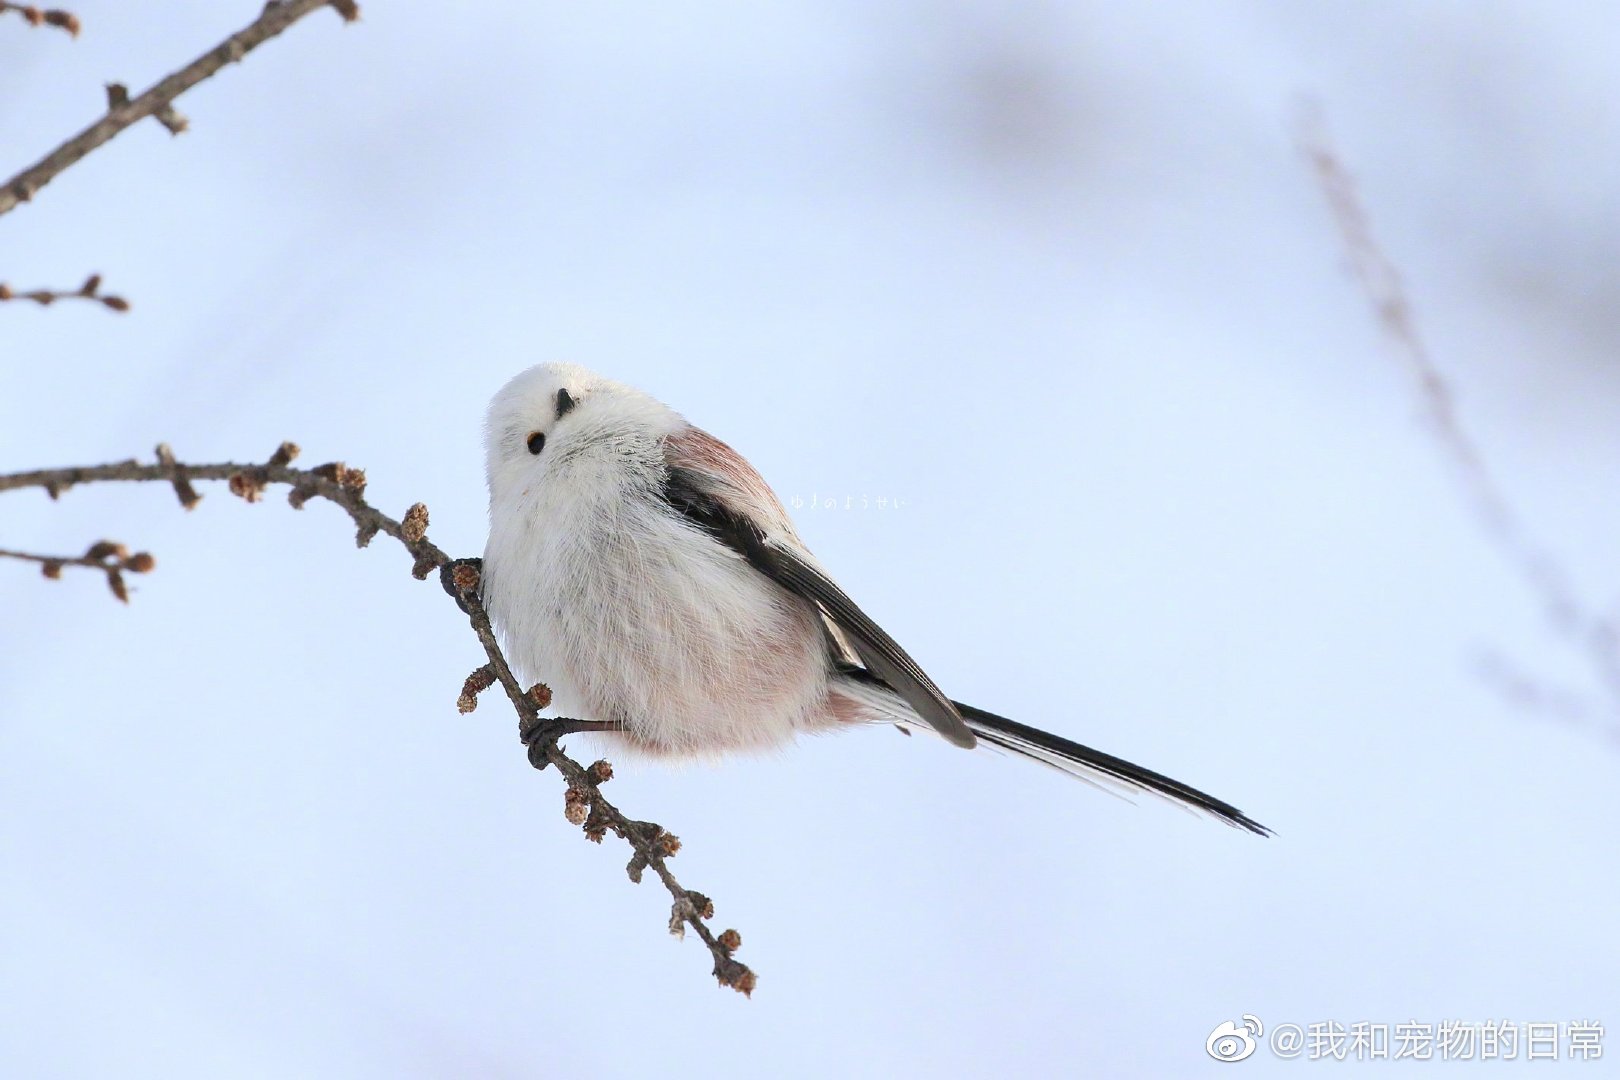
(1052,274)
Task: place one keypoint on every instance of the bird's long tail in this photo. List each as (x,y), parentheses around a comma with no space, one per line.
(1114,775)
(1096,767)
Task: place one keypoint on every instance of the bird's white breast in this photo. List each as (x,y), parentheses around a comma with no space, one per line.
(630,615)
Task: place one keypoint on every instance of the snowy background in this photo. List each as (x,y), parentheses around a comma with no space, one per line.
(1053,276)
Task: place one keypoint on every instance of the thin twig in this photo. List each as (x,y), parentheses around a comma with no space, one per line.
(108,556)
(653,844)
(1596,636)
(62,20)
(584,805)
(276,17)
(90,290)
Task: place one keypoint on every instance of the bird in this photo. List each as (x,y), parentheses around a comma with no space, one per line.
(647,573)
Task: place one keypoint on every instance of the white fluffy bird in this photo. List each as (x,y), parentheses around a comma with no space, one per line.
(644,570)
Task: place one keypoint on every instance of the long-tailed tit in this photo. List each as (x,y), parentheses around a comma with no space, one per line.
(643,570)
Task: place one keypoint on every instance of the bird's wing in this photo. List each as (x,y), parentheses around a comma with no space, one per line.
(716,490)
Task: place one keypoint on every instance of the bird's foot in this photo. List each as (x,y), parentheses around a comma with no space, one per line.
(548,729)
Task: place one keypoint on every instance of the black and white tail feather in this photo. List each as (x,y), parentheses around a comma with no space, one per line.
(1107,773)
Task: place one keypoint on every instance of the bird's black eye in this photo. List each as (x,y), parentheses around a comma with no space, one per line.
(537,442)
(565,401)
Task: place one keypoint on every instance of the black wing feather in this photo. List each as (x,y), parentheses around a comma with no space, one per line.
(888,662)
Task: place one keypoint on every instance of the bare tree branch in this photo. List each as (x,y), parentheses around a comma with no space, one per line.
(63,20)
(1595,635)
(167,115)
(108,556)
(90,290)
(583,803)
(158,101)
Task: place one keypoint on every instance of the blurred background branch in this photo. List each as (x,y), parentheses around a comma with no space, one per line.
(35,16)
(90,290)
(1594,634)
